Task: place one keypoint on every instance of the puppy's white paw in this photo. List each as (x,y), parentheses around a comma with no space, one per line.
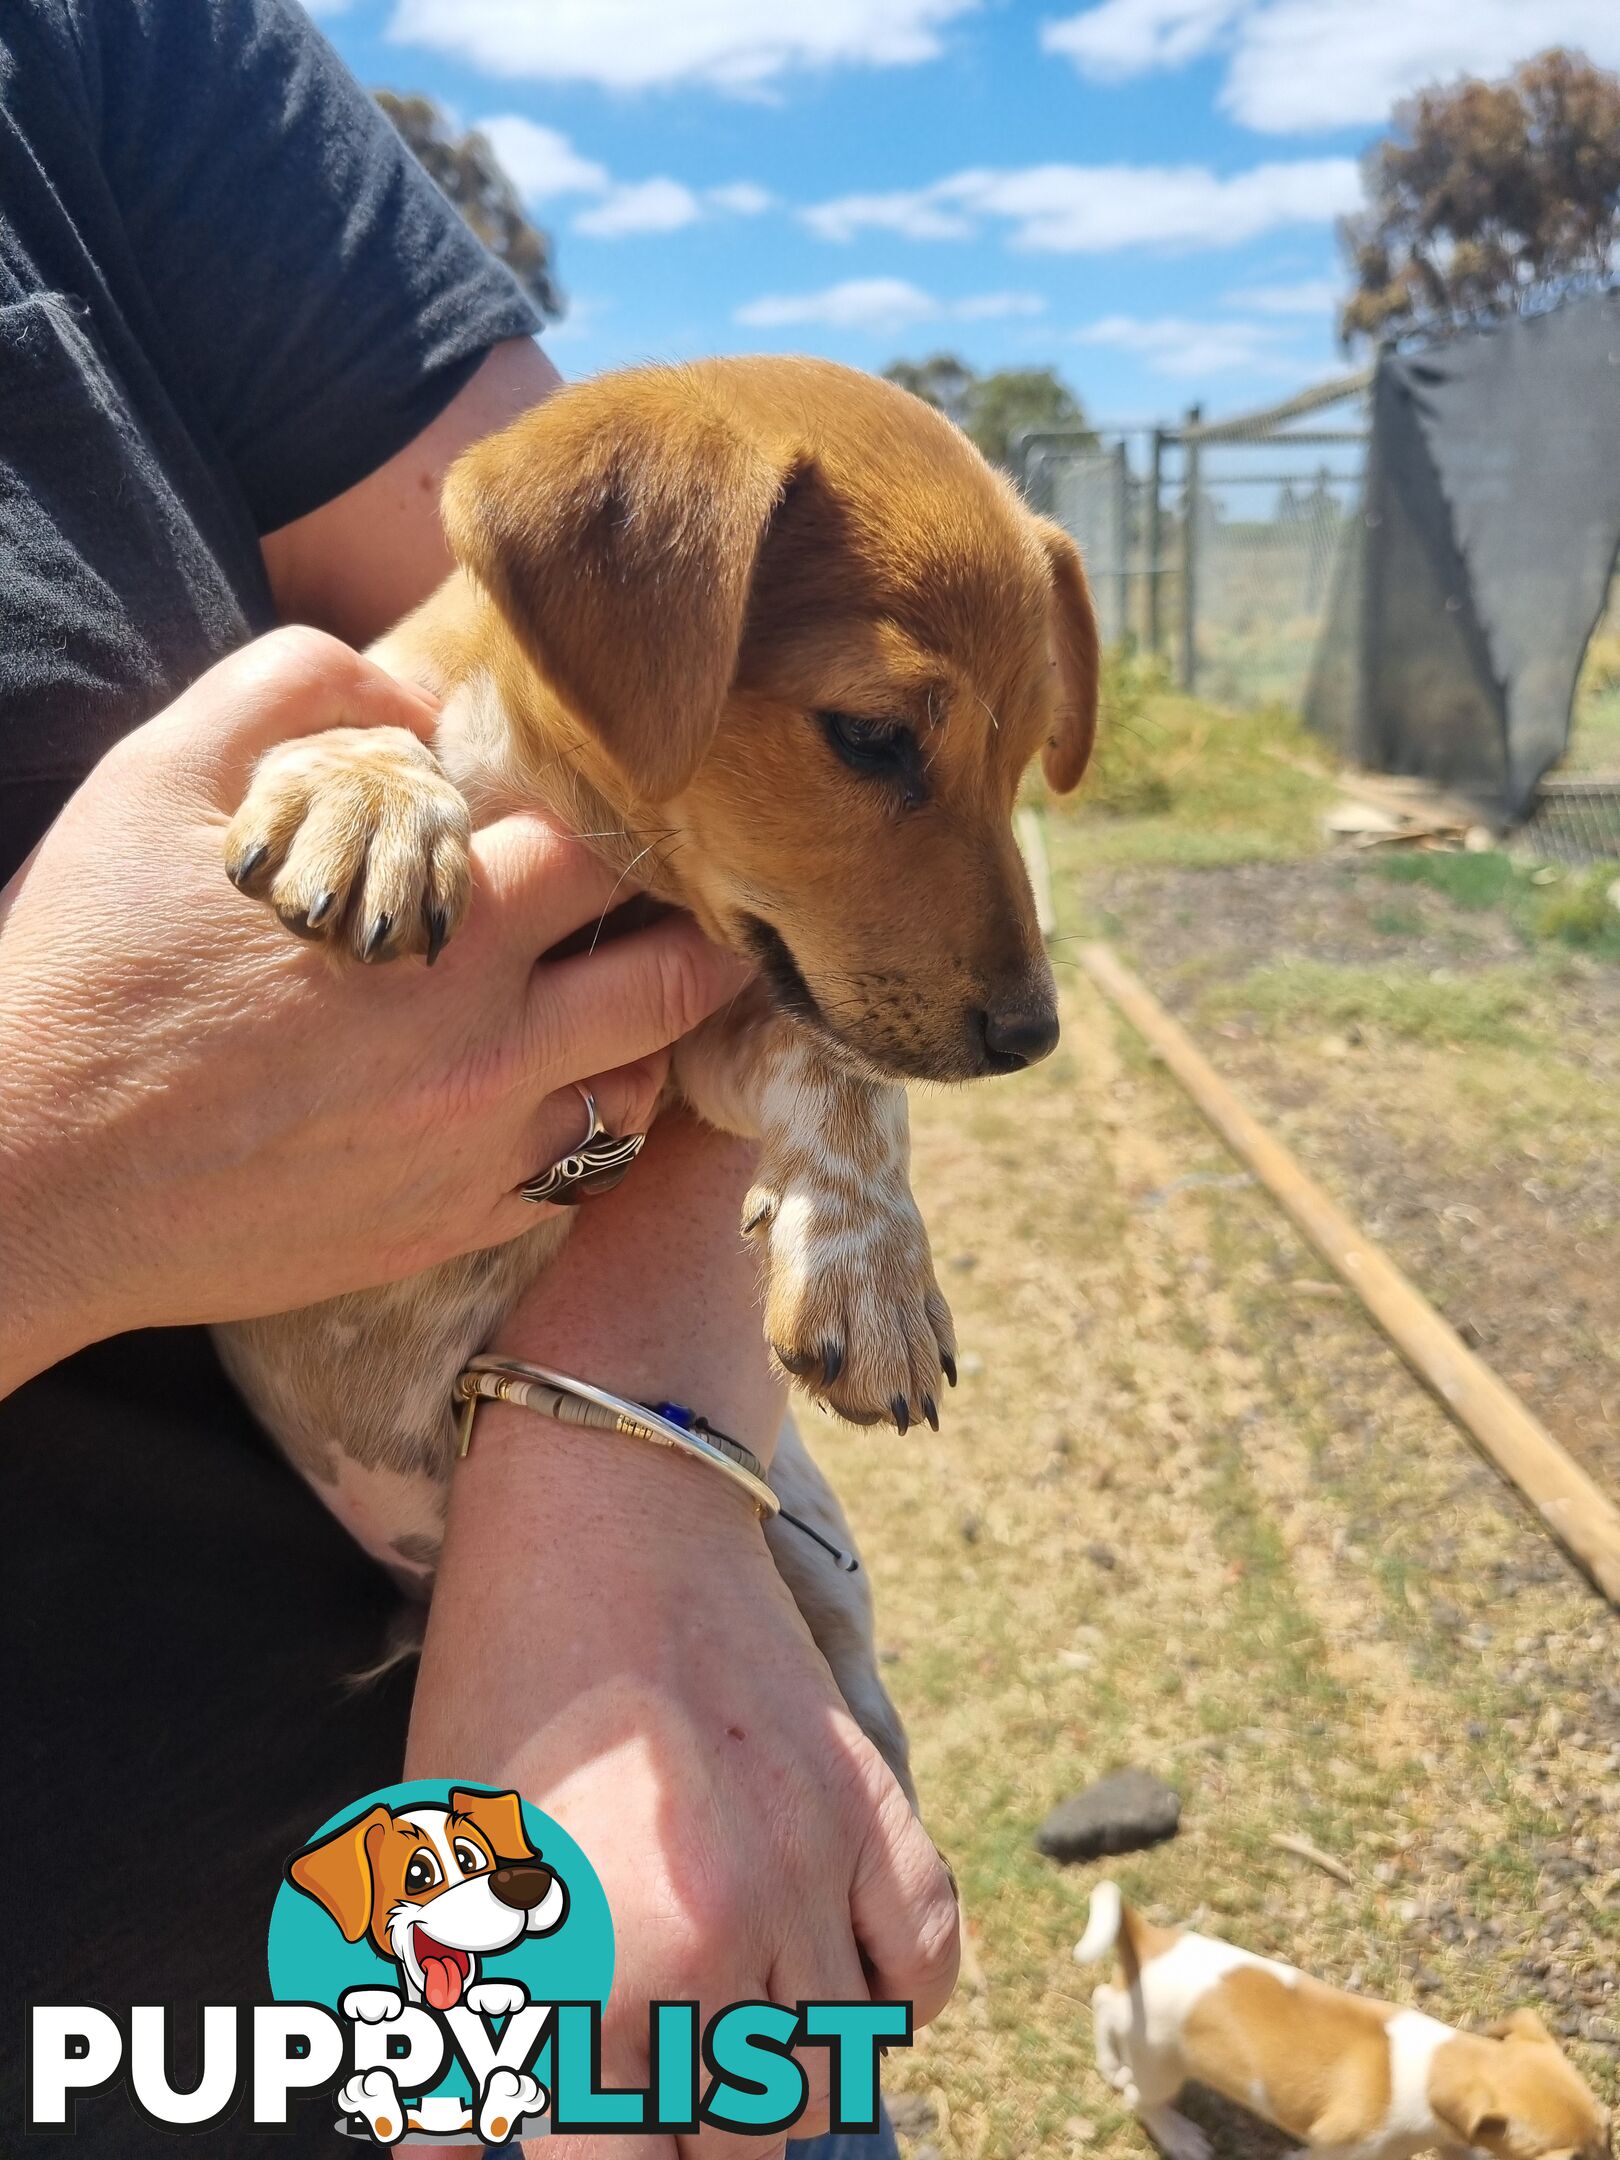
(852,1308)
(374,2095)
(357,839)
(508,2097)
(496,1998)
(370,2005)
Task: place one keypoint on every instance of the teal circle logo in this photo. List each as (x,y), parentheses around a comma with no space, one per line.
(444,1897)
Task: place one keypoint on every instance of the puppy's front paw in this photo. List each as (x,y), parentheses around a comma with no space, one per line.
(496,1998)
(852,1308)
(371,2005)
(357,838)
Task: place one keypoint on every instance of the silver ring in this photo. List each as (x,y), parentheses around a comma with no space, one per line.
(598,1163)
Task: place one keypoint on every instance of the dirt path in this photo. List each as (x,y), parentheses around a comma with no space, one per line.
(1188,1511)
(1459,1093)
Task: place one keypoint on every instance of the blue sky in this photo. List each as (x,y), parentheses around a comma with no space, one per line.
(1140,193)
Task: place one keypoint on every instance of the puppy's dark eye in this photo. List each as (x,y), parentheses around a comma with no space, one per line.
(469,1858)
(879,749)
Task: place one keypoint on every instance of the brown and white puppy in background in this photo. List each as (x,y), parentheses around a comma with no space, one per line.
(774,637)
(1353,2078)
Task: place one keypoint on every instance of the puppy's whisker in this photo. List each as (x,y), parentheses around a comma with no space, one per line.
(607,908)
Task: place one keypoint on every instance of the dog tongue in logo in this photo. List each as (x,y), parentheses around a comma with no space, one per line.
(443,1971)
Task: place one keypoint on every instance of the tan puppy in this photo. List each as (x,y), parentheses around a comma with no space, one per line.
(776,639)
(1354,2079)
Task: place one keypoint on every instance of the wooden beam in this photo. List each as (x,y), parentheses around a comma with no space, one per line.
(1579,1515)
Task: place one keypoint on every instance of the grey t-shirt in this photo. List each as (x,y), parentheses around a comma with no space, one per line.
(227,292)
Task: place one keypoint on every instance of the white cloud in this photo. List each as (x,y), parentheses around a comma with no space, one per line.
(539,162)
(1126,37)
(640,206)
(998,306)
(1090,209)
(1294,65)
(731,45)
(915,213)
(881,303)
(1172,345)
(1309,296)
(543,164)
(741,197)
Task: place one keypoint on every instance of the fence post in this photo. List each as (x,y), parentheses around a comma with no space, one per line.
(1154,539)
(1122,542)
(1189,550)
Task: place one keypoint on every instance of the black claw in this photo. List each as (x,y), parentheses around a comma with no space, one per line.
(947,1365)
(761,1214)
(324,904)
(931,1411)
(438,923)
(902,1415)
(248,863)
(832,1362)
(376,936)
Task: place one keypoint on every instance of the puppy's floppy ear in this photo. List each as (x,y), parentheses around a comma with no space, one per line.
(1075,648)
(500,1817)
(1521,2024)
(337,1873)
(1463,2095)
(617,528)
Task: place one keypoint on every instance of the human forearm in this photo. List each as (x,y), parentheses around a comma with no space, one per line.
(610,1637)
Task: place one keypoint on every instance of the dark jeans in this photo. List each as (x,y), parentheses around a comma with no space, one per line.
(180,1618)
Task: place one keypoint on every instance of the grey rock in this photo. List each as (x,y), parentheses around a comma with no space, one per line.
(1120,1813)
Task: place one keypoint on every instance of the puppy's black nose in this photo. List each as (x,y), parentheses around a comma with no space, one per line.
(521,1887)
(1019,1036)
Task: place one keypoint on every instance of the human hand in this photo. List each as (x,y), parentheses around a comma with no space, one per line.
(201,1119)
(668,1708)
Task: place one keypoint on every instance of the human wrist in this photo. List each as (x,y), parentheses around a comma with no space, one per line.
(601,1484)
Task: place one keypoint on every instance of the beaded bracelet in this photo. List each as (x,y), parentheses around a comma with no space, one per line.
(667,1424)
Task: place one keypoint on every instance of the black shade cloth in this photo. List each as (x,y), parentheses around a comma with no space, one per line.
(1475,575)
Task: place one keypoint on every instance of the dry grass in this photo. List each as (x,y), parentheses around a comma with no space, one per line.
(1188,1511)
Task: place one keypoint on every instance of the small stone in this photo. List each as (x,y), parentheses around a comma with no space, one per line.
(1080,2130)
(1103,1556)
(1121,1813)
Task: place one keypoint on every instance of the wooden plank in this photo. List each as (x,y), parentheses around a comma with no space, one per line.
(1578,1514)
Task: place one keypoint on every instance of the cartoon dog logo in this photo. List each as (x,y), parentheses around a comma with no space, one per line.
(434,1887)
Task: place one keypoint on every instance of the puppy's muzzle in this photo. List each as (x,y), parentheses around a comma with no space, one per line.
(520,1887)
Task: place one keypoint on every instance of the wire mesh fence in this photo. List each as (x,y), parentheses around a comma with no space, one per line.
(1217,547)
(1214,545)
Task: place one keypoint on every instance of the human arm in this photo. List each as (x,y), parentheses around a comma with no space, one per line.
(360,561)
(667,1704)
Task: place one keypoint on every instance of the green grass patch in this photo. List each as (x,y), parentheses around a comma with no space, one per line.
(1489,1007)
(1176,781)
(1569,907)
